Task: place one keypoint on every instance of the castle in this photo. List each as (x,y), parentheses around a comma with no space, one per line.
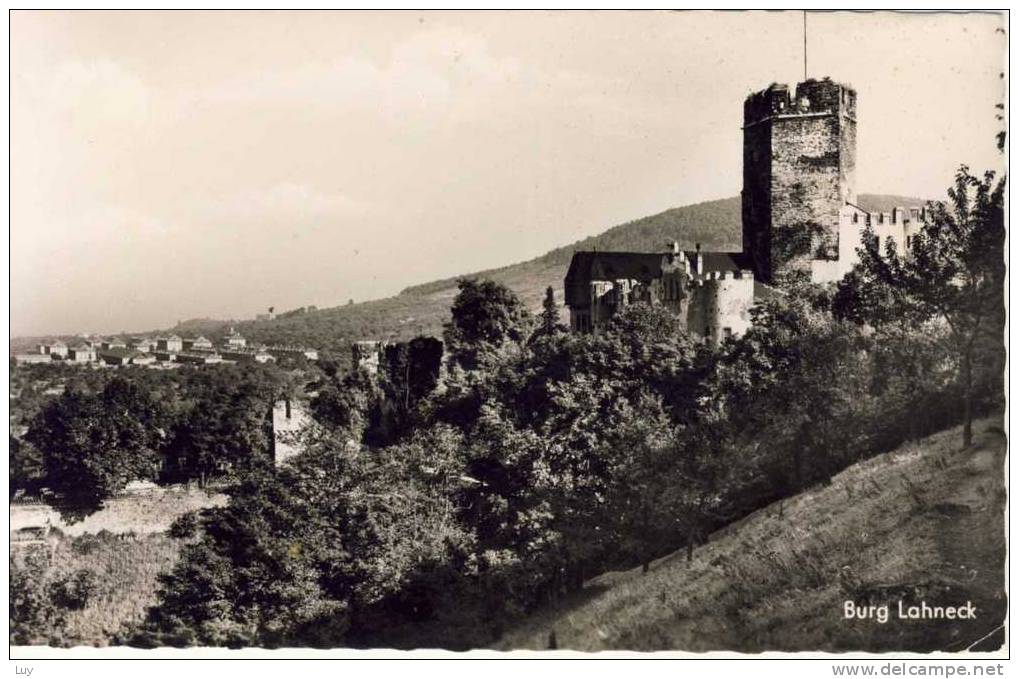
(800,216)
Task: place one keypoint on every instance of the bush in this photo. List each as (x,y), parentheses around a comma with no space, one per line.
(75,591)
(185,526)
(34,618)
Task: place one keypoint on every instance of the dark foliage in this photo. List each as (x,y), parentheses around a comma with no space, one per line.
(95,444)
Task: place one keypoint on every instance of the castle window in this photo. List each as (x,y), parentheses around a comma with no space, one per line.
(856,218)
(909,242)
(726,333)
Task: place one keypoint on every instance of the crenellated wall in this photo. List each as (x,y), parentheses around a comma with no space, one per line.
(899,226)
(713,305)
(720,305)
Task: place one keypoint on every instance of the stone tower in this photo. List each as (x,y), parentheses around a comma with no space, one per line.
(799,169)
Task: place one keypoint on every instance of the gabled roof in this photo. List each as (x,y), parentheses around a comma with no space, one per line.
(609,265)
(643,265)
(721,261)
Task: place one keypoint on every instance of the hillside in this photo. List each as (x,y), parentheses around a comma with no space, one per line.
(422,309)
(923,522)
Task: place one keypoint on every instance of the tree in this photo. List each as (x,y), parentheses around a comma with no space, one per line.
(641,471)
(95,444)
(792,387)
(954,273)
(27,470)
(548,324)
(487,318)
(303,549)
(225,426)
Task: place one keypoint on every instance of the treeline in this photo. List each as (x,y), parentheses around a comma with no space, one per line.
(106,429)
(542,458)
(432,510)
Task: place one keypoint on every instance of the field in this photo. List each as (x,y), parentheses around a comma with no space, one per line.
(923,522)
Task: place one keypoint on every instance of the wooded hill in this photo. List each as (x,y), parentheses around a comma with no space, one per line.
(422,309)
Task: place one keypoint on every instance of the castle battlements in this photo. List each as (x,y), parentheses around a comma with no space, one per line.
(799,170)
(817,98)
(799,217)
(733,275)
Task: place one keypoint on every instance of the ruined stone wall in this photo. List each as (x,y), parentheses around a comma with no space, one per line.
(288,419)
(673,289)
(418,363)
(610,297)
(365,355)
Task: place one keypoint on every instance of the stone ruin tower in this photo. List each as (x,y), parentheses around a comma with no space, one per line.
(799,170)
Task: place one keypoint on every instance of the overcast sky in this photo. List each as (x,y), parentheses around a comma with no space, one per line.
(166,166)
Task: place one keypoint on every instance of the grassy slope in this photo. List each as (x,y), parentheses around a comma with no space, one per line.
(127,567)
(922,522)
(422,309)
(125,546)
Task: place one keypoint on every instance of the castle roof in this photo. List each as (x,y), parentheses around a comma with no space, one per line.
(587,266)
(720,261)
(642,265)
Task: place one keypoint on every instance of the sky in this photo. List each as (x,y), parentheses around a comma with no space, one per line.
(173,165)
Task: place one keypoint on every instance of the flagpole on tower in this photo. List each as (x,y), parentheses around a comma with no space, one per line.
(804,44)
